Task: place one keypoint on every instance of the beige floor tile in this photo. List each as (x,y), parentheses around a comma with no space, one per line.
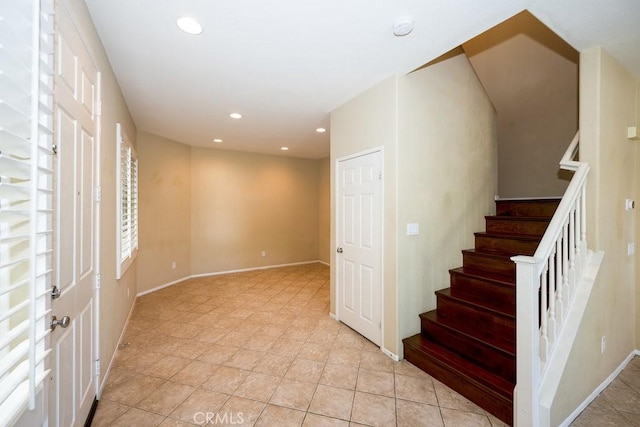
(142,361)
(416,389)
(332,401)
(107,412)
(315,420)
(200,403)
(167,367)
(170,422)
(376,382)
(631,377)
(189,349)
(634,419)
(456,418)
(297,334)
(234,339)
(305,370)
(596,417)
(273,330)
(217,354)
(286,347)
(137,417)
(239,411)
(376,361)
(118,376)
(165,398)
(260,343)
(244,359)
(226,379)
(448,398)
(258,386)
(274,364)
(293,394)
(315,351)
(211,335)
(279,416)
(373,410)
(623,399)
(345,356)
(339,376)
(412,414)
(133,390)
(195,373)
(406,368)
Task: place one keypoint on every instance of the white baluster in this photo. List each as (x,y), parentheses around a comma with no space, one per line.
(559,294)
(572,251)
(552,298)
(544,339)
(565,264)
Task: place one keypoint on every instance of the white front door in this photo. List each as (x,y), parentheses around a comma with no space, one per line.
(359,241)
(72,385)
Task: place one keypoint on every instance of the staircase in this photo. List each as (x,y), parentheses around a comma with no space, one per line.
(468,342)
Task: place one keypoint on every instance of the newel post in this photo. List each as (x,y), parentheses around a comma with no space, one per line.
(526,397)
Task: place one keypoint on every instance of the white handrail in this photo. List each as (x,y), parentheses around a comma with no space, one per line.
(554,270)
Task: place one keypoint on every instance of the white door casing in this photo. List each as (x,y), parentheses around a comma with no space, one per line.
(359,244)
(72,361)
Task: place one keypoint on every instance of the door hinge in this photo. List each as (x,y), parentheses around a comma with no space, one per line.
(380,176)
(98,108)
(96,281)
(97,366)
(54,149)
(98,196)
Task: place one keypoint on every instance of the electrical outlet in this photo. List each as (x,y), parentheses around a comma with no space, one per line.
(173,265)
(631,248)
(603,344)
(264,253)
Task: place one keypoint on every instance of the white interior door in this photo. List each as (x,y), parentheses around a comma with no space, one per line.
(359,241)
(72,359)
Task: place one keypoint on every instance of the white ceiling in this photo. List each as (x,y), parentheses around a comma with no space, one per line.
(286,64)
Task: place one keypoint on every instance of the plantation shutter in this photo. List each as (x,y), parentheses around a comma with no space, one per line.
(127,185)
(26,200)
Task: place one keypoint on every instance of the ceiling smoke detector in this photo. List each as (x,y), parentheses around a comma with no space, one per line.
(402,27)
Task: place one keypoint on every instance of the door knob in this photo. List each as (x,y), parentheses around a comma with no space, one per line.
(64,322)
(339,250)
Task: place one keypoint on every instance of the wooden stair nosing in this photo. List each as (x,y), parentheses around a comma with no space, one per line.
(486,276)
(490,261)
(494,340)
(480,306)
(491,392)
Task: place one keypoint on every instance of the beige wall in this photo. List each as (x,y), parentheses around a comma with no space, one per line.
(531,76)
(369,121)
(243,204)
(165,211)
(429,123)
(324,210)
(447,155)
(116,297)
(608,105)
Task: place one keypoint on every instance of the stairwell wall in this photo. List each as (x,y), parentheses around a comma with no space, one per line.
(608,105)
(447,178)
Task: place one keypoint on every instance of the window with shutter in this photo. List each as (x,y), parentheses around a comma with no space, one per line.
(26,200)
(127,175)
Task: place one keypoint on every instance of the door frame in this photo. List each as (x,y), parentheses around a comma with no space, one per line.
(336,213)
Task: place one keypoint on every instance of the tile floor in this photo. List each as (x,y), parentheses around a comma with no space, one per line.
(619,404)
(259,348)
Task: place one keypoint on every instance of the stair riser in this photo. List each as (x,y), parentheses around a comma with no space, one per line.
(531,228)
(524,208)
(505,245)
(478,289)
(486,356)
(492,265)
(497,405)
(470,319)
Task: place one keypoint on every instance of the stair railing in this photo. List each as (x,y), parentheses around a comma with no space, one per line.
(545,285)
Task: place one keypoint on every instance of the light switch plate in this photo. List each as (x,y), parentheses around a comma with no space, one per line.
(413,229)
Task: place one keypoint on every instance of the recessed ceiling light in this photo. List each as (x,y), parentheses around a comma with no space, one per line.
(217,140)
(189,25)
(284,148)
(321,130)
(235,115)
(402,27)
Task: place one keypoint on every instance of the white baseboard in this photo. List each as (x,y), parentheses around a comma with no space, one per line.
(219,273)
(394,356)
(113,356)
(325,263)
(333,316)
(600,388)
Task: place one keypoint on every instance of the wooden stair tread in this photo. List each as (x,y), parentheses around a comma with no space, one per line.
(522,237)
(499,279)
(478,304)
(520,218)
(508,350)
(493,384)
